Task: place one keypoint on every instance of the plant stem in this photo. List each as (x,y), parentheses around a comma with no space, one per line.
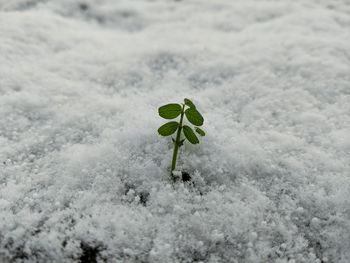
(177,144)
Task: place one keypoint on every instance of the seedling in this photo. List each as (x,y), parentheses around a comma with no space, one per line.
(172,111)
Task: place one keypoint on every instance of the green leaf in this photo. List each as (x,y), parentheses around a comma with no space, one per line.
(194,117)
(189,134)
(200,131)
(189,103)
(168,128)
(170,111)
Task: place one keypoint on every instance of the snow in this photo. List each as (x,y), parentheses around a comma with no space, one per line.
(84,172)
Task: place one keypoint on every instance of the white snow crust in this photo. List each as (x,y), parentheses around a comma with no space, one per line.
(84,172)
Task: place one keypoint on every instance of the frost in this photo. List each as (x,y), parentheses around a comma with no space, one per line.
(84,174)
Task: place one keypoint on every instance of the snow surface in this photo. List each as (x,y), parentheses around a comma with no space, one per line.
(83,172)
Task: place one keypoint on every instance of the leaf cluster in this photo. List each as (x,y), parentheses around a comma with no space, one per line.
(187,109)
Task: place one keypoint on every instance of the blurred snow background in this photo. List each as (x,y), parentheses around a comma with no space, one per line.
(83,172)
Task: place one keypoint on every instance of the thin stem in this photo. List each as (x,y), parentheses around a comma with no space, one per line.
(177,144)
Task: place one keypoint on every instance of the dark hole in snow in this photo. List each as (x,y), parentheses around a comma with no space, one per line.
(89,253)
(36,231)
(64,243)
(144,196)
(186,177)
(20,254)
(83,6)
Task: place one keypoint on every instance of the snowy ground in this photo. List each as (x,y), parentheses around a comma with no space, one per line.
(83,172)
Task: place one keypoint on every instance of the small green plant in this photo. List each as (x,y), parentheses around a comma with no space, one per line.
(172,111)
